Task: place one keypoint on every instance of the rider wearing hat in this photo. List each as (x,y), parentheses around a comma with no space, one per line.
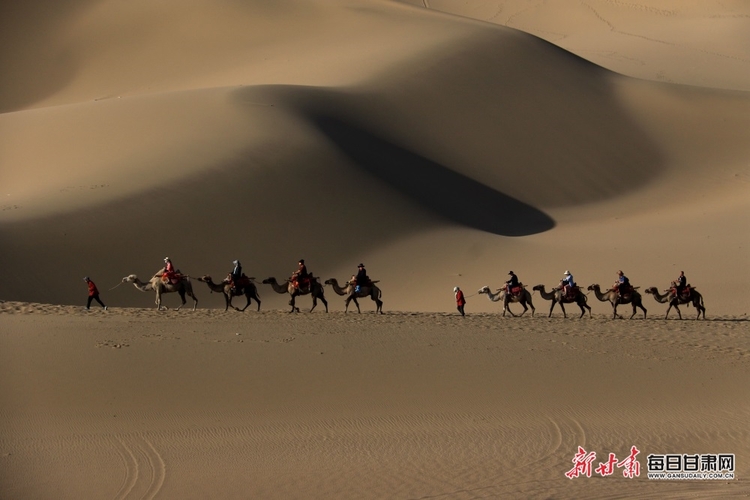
(169,273)
(567,282)
(361,279)
(236,274)
(460,300)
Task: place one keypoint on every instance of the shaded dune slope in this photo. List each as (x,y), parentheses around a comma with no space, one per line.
(490,133)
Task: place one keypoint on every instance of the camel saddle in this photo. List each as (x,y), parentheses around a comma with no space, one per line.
(571,292)
(172,278)
(625,292)
(685,292)
(303,284)
(516,290)
(241,283)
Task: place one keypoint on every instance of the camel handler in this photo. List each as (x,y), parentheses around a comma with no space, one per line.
(460,300)
(93,294)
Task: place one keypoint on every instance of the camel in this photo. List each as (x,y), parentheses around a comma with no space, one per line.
(558,297)
(615,299)
(315,289)
(249,291)
(523,299)
(366,291)
(695,298)
(183,287)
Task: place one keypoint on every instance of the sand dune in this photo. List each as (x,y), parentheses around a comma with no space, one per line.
(442,143)
(472,126)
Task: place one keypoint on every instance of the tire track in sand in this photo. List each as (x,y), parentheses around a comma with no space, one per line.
(145,469)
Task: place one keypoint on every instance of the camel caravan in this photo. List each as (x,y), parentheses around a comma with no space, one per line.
(236,284)
(302,282)
(622,292)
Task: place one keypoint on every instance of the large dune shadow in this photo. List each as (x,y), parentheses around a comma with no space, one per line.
(436,187)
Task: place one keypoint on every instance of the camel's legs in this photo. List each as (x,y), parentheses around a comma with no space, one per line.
(524,308)
(671,305)
(184,301)
(291,303)
(583,304)
(325,302)
(565,315)
(635,305)
(553,306)
(247,296)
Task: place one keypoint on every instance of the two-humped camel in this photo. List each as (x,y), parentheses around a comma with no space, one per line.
(695,298)
(558,296)
(523,299)
(351,294)
(159,286)
(250,291)
(315,289)
(631,297)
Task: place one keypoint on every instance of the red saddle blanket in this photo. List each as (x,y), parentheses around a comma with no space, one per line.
(302,284)
(173,278)
(516,290)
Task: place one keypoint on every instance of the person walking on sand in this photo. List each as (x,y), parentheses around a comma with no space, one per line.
(460,300)
(93,294)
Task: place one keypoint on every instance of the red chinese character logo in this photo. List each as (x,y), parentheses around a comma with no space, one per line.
(608,467)
(582,461)
(631,466)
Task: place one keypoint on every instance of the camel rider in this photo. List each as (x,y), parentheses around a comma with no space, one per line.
(236,274)
(567,283)
(361,279)
(511,283)
(680,283)
(169,275)
(622,285)
(300,277)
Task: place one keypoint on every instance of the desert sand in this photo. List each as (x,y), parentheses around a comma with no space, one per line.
(443,143)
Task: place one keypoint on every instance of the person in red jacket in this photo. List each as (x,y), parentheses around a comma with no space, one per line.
(460,300)
(93,294)
(169,275)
